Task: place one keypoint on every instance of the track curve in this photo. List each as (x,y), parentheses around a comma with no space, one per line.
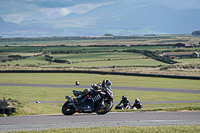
(40,122)
(114,87)
(112,119)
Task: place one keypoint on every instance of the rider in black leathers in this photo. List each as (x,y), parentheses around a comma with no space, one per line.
(125,102)
(137,104)
(80,95)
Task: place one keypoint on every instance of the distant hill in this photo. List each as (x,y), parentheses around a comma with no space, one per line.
(128,18)
(140,18)
(8,26)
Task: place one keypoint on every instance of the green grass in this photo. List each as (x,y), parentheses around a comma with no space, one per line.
(35,93)
(110,63)
(88,79)
(26,108)
(95,60)
(191,60)
(87,49)
(125,129)
(76,48)
(165,107)
(58,94)
(98,56)
(28,61)
(20,49)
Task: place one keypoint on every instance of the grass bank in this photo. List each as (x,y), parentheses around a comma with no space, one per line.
(88,79)
(58,94)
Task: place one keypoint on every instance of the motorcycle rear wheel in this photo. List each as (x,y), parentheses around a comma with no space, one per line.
(103,109)
(68,109)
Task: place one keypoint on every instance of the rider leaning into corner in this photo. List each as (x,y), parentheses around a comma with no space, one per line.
(125,103)
(137,104)
(97,99)
(105,84)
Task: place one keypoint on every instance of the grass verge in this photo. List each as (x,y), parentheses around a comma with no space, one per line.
(126,129)
(58,94)
(25,108)
(88,79)
(162,109)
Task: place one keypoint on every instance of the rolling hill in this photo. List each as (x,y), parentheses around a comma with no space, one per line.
(123,18)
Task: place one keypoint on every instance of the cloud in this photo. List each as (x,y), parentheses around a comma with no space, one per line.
(65,3)
(17,11)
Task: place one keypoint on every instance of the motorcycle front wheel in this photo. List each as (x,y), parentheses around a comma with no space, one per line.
(68,109)
(103,109)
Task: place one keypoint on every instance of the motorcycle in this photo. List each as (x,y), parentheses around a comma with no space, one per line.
(99,101)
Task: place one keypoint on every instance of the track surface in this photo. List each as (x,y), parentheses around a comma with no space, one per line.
(114,87)
(40,122)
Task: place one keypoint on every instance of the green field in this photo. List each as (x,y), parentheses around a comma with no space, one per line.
(102,59)
(88,79)
(195,61)
(78,56)
(58,94)
(33,60)
(20,49)
(133,54)
(108,63)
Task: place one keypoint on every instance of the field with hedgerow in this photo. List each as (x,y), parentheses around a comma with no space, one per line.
(132,54)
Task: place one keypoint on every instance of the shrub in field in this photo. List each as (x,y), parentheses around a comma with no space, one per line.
(4,60)
(14,56)
(60,61)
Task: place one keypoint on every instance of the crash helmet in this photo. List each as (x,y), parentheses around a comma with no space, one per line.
(86,91)
(124,97)
(99,84)
(106,82)
(93,85)
(137,100)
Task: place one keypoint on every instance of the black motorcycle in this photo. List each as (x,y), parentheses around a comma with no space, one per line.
(99,101)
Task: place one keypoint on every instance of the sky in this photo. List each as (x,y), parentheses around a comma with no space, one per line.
(19,10)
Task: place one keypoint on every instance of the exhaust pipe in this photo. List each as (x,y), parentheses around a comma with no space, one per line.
(68,98)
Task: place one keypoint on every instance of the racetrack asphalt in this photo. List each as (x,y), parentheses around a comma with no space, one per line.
(111,119)
(113,87)
(175,90)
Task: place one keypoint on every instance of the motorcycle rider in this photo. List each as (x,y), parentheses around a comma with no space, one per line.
(98,98)
(105,84)
(96,86)
(77,83)
(125,102)
(137,104)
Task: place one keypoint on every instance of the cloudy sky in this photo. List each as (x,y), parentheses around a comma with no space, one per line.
(19,10)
